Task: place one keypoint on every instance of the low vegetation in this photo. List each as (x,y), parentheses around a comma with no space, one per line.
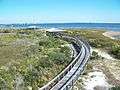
(98,40)
(30,58)
(109,67)
(115,88)
(115,50)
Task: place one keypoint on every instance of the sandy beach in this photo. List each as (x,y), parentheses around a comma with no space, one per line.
(112,34)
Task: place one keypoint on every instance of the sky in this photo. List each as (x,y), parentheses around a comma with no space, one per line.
(59,11)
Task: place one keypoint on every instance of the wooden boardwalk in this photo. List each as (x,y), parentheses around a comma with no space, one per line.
(66,79)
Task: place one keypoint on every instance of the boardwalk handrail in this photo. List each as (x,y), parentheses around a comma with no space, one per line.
(72,76)
(59,75)
(69,84)
(50,84)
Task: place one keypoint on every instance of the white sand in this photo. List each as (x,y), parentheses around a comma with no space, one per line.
(95,79)
(111,34)
(103,54)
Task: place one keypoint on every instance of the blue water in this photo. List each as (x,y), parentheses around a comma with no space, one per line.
(106,26)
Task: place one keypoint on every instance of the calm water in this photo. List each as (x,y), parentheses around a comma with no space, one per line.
(108,26)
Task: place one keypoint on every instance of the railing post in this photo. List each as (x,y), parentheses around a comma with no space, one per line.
(72,85)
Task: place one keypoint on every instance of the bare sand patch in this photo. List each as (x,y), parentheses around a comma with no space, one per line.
(103,54)
(111,34)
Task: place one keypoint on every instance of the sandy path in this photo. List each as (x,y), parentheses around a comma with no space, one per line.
(111,34)
(103,54)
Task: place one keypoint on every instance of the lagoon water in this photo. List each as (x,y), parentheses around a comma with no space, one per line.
(97,26)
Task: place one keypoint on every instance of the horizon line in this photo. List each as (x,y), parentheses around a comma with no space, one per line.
(60,23)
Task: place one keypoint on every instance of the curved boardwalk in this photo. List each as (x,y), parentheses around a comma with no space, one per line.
(66,79)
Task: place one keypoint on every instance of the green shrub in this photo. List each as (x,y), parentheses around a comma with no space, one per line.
(115,51)
(115,88)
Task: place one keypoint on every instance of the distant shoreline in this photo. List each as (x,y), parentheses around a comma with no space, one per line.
(95,26)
